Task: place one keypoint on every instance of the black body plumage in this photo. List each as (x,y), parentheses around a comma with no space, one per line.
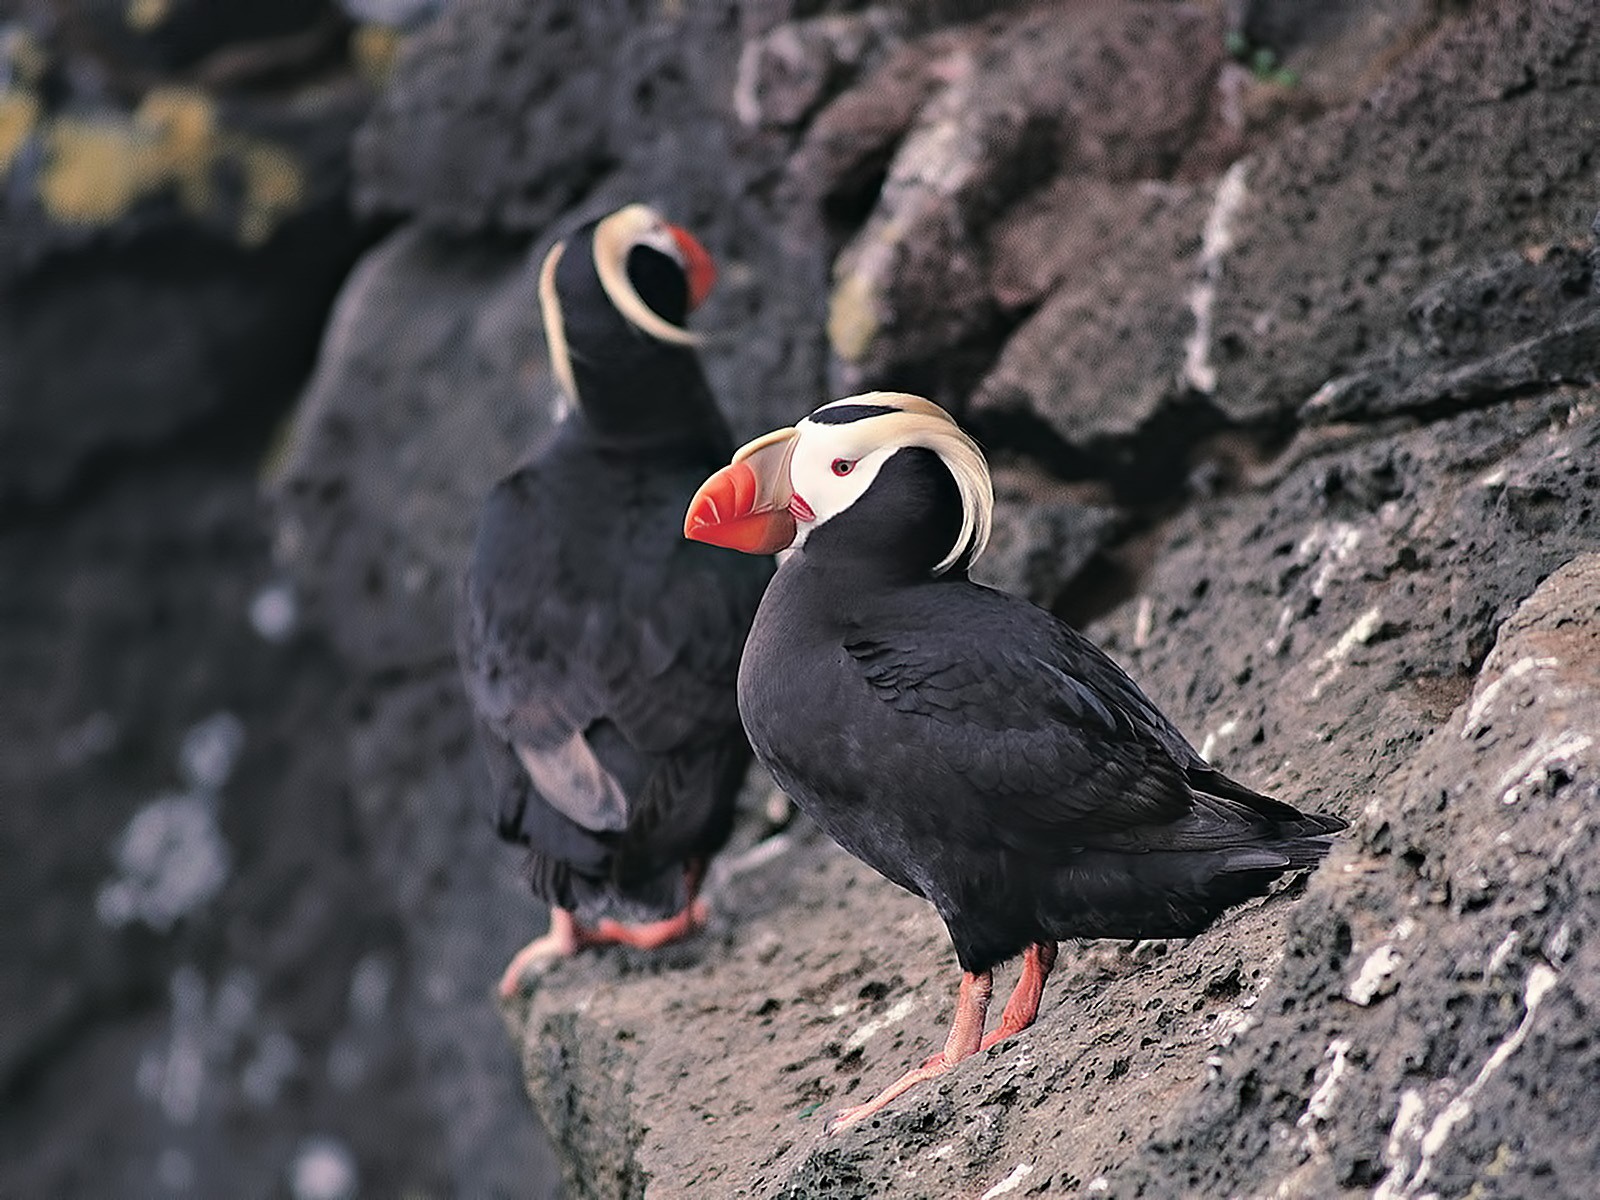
(600,649)
(984,755)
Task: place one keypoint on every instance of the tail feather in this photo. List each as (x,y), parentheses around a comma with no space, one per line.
(1208,781)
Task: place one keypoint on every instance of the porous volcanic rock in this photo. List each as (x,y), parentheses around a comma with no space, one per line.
(1324,638)
(1314,592)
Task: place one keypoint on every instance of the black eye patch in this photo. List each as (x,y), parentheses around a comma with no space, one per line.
(660,282)
(843,414)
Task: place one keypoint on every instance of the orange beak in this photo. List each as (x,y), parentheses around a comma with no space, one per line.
(745,506)
(697,265)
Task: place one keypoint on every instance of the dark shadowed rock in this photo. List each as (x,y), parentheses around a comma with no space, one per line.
(1337,48)
(1105,351)
(1043,537)
(1474,147)
(1518,322)
(210,990)
(432,383)
(201,964)
(192,239)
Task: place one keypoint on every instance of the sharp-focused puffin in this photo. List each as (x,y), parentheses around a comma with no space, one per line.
(599,649)
(961,741)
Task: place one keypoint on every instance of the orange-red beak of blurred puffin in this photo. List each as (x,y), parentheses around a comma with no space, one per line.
(745,506)
(697,265)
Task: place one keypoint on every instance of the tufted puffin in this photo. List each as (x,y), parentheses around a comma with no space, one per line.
(599,649)
(966,744)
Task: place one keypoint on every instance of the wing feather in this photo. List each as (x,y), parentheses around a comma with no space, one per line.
(597,652)
(1039,718)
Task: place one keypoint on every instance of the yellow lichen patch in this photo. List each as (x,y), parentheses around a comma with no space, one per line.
(274,186)
(94,169)
(19,113)
(144,15)
(373,49)
(852,317)
(97,168)
(182,126)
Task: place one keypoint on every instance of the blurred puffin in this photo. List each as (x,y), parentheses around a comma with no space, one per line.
(961,741)
(599,649)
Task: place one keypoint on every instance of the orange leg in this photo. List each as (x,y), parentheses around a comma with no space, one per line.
(655,934)
(966,1033)
(567,936)
(1023,1006)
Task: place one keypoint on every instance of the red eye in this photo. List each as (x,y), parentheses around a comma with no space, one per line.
(843,466)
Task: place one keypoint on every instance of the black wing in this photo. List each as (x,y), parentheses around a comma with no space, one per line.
(1030,715)
(606,635)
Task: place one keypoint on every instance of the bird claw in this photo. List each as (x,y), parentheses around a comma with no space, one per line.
(537,957)
(845,1117)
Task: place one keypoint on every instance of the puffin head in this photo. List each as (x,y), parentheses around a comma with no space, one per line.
(630,273)
(883,474)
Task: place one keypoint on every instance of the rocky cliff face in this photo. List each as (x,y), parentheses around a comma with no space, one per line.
(206,988)
(1289,365)
(1281,325)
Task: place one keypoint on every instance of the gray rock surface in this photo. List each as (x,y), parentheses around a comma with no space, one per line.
(207,978)
(1328,616)
(1462,154)
(1290,381)
(1324,638)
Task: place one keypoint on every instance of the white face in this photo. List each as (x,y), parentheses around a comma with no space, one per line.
(833,466)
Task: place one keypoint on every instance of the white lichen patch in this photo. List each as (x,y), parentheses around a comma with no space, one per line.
(1546,755)
(1375,978)
(171,860)
(1328,667)
(1011,1182)
(275,613)
(1320,1106)
(210,749)
(898,1011)
(1216,239)
(1328,547)
(1230,1023)
(323,1169)
(1502,954)
(173,1074)
(1403,1180)
(753,859)
(1217,736)
(1144,622)
(1484,703)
